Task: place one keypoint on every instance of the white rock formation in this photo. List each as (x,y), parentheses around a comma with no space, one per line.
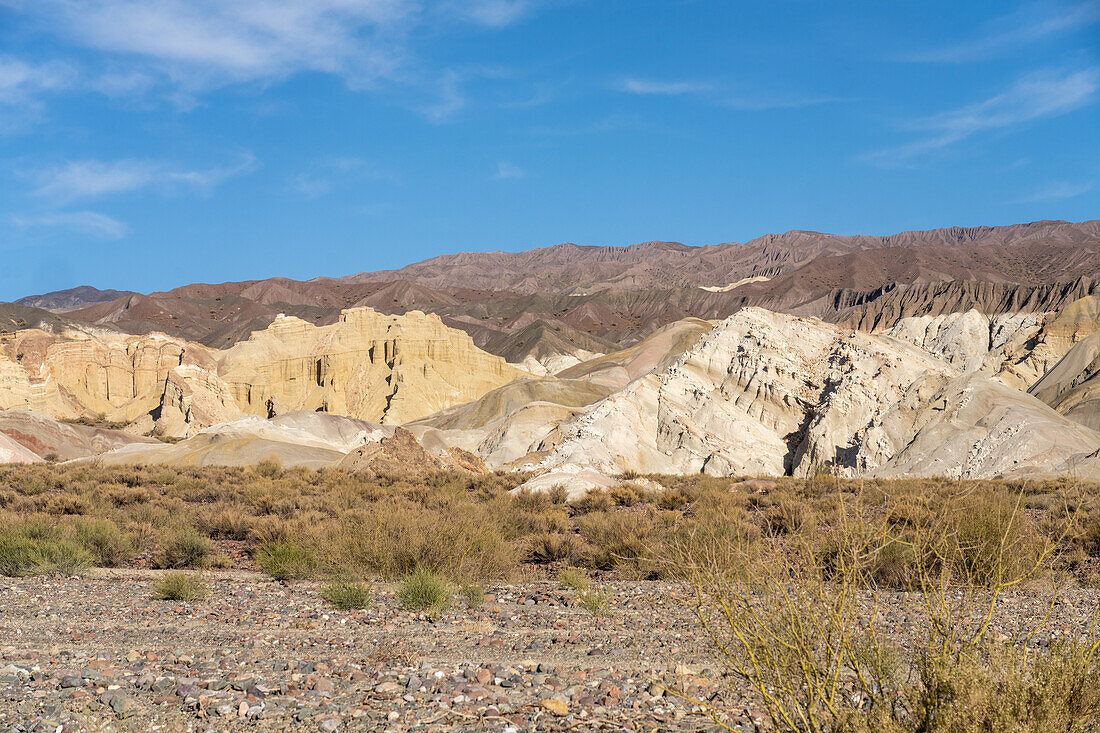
(767,393)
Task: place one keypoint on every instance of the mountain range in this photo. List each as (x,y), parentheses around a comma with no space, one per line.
(660,357)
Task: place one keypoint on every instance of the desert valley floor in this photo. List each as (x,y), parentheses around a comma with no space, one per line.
(572,488)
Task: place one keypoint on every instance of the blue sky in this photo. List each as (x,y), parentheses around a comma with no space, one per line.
(146,144)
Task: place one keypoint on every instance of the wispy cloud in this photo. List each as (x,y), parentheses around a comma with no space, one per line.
(91,178)
(206,43)
(494,13)
(663,88)
(719,95)
(22,86)
(1056,191)
(20,81)
(1037,95)
(87,222)
(508,171)
(450,97)
(324,175)
(1029,24)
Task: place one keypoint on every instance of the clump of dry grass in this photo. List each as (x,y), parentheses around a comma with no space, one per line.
(178,585)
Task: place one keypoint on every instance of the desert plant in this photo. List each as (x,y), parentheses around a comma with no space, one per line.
(286,560)
(346,594)
(40,550)
(102,537)
(547,547)
(802,626)
(424,590)
(474,593)
(184,548)
(575,579)
(595,600)
(179,585)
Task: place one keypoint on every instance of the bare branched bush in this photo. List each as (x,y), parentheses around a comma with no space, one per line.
(800,620)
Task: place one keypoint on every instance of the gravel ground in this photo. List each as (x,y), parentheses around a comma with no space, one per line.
(97,653)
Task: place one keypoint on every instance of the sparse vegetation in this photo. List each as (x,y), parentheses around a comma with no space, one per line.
(586,594)
(424,590)
(286,560)
(801,621)
(474,593)
(180,585)
(184,548)
(346,594)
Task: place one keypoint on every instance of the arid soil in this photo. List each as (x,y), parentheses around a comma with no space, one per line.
(97,653)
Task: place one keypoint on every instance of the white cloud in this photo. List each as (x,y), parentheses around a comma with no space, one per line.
(508,171)
(1033,96)
(22,86)
(451,98)
(91,178)
(20,81)
(323,175)
(1029,24)
(494,13)
(667,88)
(718,95)
(88,222)
(1056,191)
(207,43)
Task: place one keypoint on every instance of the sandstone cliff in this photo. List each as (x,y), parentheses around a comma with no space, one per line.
(380,368)
(386,369)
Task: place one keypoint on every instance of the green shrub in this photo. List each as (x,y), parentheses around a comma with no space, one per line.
(474,593)
(184,548)
(347,594)
(23,552)
(178,585)
(596,601)
(286,560)
(102,537)
(592,598)
(424,590)
(575,579)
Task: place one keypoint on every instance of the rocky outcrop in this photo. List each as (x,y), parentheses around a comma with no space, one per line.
(766,393)
(511,421)
(294,440)
(114,378)
(880,311)
(44,436)
(386,369)
(402,456)
(12,451)
(369,366)
(974,427)
(1072,386)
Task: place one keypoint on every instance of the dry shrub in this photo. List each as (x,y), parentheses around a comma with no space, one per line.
(346,594)
(547,547)
(102,537)
(184,547)
(629,540)
(36,548)
(178,585)
(286,560)
(596,500)
(394,539)
(226,521)
(424,590)
(801,622)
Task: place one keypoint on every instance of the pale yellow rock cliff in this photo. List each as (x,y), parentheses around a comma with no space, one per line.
(370,366)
